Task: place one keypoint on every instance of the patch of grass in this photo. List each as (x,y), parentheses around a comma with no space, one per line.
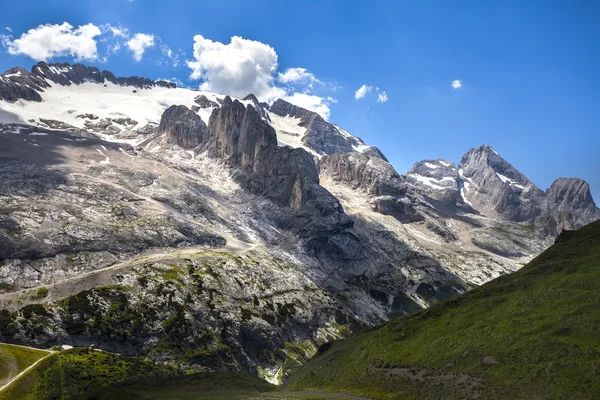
(76,372)
(14,359)
(531,334)
(41,293)
(206,385)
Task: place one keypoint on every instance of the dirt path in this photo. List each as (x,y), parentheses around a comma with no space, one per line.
(26,370)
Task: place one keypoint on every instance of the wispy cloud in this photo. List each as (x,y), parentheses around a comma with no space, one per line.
(362,91)
(457,84)
(382,97)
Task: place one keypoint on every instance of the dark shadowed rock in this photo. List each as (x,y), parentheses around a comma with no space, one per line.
(17,83)
(183,126)
(204,102)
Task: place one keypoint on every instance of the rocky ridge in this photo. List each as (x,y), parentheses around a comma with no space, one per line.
(217,207)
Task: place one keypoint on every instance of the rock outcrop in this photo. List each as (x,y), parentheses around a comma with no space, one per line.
(321,136)
(568,205)
(495,188)
(437,179)
(286,176)
(182,126)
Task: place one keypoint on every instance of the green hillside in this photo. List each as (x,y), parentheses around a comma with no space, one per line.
(14,359)
(534,334)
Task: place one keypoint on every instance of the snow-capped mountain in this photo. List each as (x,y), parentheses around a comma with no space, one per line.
(252,225)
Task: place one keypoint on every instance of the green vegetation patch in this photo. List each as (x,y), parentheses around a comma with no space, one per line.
(14,359)
(80,371)
(531,334)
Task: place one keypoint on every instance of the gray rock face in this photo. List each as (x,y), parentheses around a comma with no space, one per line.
(286,176)
(321,136)
(437,179)
(568,205)
(17,83)
(388,190)
(262,108)
(204,102)
(183,126)
(495,188)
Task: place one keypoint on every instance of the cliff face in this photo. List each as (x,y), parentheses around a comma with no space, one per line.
(568,205)
(238,135)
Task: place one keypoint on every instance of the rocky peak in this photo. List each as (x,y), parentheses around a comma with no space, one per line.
(182,126)
(262,108)
(286,176)
(17,83)
(568,205)
(493,187)
(321,136)
(438,179)
(204,102)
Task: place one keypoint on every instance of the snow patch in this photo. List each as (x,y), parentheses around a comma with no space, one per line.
(107,161)
(432,182)
(289,132)
(509,181)
(124,152)
(432,166)
(445,163)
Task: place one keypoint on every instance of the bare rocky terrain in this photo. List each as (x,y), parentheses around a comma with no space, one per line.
(227,234)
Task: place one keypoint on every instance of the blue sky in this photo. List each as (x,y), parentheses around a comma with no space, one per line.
(528,70)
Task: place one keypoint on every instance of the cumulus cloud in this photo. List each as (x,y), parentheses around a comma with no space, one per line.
(457,84)
(318,104)
(382,97)
(292,75)
(139,43)
(52,40)
(362,91)
(245,66)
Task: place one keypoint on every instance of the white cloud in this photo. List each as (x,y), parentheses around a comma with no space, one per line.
(311,102)
(457,84)
(139,43)
(8,29)
(296,75)
(48,41)
(362,91)
(244,66)
(241,67)
(117,31)
(382,97)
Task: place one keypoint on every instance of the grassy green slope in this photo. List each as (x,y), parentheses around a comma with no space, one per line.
(533,334)
(73,372)
(14,359)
